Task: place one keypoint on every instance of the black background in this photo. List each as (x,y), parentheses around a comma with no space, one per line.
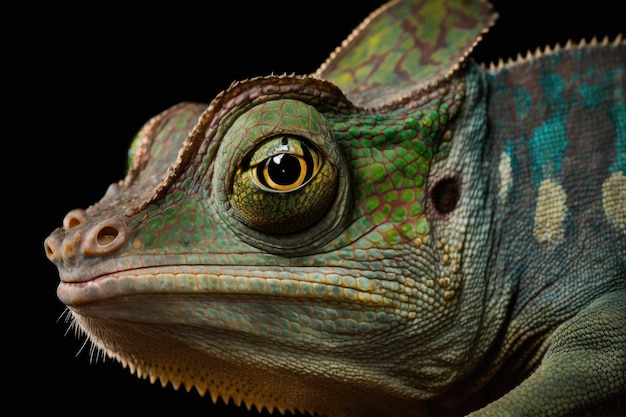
(81,82)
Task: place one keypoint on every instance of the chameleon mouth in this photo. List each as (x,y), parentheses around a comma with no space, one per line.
(264,303)
(195,280)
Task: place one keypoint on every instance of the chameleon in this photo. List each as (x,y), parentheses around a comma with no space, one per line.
(403,231)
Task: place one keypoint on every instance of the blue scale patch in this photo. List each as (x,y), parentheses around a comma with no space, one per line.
(547,146)
(618,117)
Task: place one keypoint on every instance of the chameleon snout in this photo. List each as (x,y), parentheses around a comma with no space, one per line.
(78,238)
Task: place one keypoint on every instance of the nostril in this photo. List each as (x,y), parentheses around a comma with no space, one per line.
(106,235)
(73,222)
(50,248)
(74,219)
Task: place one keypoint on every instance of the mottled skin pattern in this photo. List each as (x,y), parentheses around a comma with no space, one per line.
(403,232)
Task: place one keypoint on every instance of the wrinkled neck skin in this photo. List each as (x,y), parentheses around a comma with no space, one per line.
(477,324)
(401,364)
(486,296)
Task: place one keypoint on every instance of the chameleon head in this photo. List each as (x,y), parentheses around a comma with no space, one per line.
(280,246)
(269,240)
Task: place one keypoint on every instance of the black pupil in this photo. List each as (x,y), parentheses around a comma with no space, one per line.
(284,169)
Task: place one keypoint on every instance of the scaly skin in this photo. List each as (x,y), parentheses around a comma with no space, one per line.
(401,233)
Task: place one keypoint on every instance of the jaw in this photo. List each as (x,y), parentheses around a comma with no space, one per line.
(337,346)
(249,369)
(298,340)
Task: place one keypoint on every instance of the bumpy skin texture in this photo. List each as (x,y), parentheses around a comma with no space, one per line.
(403,232)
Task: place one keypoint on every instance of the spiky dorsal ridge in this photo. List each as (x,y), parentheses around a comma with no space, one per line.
(539,52)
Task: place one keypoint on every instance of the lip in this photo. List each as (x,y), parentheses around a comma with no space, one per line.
(74,292)
(190,279)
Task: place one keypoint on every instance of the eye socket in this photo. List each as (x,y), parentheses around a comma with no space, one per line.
(281,182)
(290,165)
(285,187)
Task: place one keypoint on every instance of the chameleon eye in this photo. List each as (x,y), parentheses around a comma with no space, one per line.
(281,181)
(284,187)
(291,164)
